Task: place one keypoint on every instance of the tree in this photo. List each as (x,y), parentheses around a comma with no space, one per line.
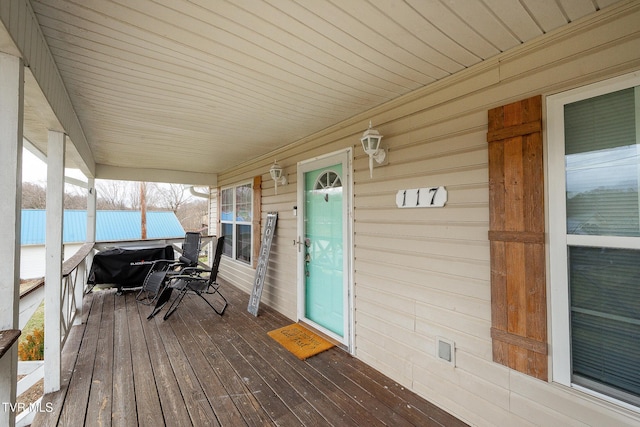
(194,215)
(171,196)
(75,197)
(192,212)
(113,195)
(34,196)
(75,201)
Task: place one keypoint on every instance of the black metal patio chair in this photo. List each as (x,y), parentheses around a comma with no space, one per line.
(193,280)
(154,282)
(190,249)
(160,270)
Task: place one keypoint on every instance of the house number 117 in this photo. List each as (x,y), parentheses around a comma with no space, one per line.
(429,197)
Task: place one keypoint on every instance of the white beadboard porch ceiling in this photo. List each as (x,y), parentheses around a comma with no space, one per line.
(203,85)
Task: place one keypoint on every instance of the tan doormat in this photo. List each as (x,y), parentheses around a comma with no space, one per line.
(300,341)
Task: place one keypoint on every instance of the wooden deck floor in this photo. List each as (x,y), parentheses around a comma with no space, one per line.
(198,368)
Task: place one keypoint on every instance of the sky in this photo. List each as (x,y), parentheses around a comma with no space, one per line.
(35,170)
(609,168)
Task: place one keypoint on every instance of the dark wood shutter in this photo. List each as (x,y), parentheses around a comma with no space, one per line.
(218,211)
(257,216)
(516,235)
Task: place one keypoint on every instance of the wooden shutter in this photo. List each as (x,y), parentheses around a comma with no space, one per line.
(516,235)
(218,211)
(255,223)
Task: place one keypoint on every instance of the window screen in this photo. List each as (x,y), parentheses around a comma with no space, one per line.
(236,214)
(602,165)
(602,174)
(605,318)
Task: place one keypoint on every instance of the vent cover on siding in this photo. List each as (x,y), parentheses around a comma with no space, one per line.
(446,350)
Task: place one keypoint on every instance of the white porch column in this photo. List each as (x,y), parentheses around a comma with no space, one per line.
(91,237)
(54,256)
(11,118)
(91,210)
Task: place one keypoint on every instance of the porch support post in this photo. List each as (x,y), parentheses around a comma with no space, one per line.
(91,238)
(53,270)
(11,118)
(91,210)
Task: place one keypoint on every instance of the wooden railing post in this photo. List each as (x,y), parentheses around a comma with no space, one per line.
(78,291)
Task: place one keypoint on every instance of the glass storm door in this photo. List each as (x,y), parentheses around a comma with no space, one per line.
(323,302)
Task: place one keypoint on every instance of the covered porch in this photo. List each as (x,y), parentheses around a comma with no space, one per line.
(216,94)
(198,368)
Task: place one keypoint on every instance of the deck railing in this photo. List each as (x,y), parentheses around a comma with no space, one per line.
(74,279)
(75,272)
(30,371)
(74,284)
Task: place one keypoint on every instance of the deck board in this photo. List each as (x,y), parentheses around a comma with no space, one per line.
(198,406)
(224,408)
(100,394)
(123,390)
(80,382)
(146,399)
(233,386)
(300,382)
(68,361)
(166,383)
(198,368)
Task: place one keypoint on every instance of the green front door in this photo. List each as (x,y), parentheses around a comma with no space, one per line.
(323,248)
(324,245)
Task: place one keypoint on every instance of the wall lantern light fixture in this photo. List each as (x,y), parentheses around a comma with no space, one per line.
(276,175)
(371,144)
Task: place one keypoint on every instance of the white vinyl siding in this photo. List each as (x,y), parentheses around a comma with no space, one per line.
(424,273)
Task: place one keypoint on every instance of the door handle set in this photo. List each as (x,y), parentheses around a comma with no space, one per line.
(307,243)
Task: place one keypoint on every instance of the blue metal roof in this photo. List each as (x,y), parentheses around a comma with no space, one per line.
(110,226)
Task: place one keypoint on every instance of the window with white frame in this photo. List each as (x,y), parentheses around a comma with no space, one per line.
(594,234)
(236,215)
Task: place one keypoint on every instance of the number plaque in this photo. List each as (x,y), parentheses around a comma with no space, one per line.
(429,197)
